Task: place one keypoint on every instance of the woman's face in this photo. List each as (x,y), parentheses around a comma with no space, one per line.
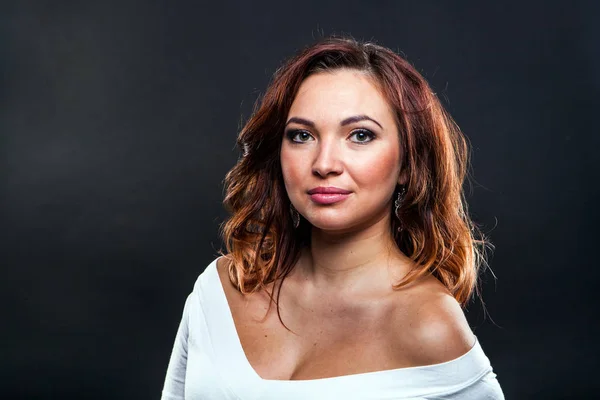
(340,137)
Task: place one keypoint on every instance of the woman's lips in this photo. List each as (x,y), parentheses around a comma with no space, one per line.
(328,198)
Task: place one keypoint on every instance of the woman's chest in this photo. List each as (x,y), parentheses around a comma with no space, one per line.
(314,342)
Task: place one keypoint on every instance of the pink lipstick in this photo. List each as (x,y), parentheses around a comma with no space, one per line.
(328,195)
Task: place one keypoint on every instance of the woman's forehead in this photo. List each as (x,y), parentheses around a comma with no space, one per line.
(334,96)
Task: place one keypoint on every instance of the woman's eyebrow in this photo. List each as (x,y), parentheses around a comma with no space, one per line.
(347,121)
(357,118)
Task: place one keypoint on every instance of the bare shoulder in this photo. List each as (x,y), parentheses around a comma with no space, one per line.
(223,263)
(434,325)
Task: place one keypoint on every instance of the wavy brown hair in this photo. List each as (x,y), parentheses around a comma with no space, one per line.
(437,232)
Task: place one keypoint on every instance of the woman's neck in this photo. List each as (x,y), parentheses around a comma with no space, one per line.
(353,262)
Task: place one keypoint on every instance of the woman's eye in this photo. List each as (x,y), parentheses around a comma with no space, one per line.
(358,136)
(299,136)
(362,136)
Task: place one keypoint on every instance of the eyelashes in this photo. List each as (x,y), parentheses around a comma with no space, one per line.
(362,136)
(363,133)
(293,134)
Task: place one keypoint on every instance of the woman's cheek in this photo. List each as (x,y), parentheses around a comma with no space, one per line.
(292,174)
(377,167)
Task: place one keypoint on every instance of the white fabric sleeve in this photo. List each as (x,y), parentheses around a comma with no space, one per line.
(485,388)
(174,386)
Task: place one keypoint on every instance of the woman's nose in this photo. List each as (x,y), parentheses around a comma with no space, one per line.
(327,160)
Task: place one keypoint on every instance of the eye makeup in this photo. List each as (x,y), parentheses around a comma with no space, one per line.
(363,135)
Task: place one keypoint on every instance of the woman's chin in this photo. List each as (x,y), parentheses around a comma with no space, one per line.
(331,225)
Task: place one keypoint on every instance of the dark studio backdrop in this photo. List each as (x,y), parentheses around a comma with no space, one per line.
(118,122)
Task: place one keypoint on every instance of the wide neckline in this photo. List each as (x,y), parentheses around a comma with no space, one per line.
(234,341)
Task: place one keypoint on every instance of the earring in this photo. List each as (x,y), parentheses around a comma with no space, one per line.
(295,216)
(399,200)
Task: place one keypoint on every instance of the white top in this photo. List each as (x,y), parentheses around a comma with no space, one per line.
(208,362)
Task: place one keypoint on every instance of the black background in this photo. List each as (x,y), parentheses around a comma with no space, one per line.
(118,122)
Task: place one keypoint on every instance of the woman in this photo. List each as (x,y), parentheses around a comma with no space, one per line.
(349,250)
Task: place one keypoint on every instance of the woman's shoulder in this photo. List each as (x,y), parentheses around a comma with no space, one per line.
(208,276)
(432,325)
(222,263)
